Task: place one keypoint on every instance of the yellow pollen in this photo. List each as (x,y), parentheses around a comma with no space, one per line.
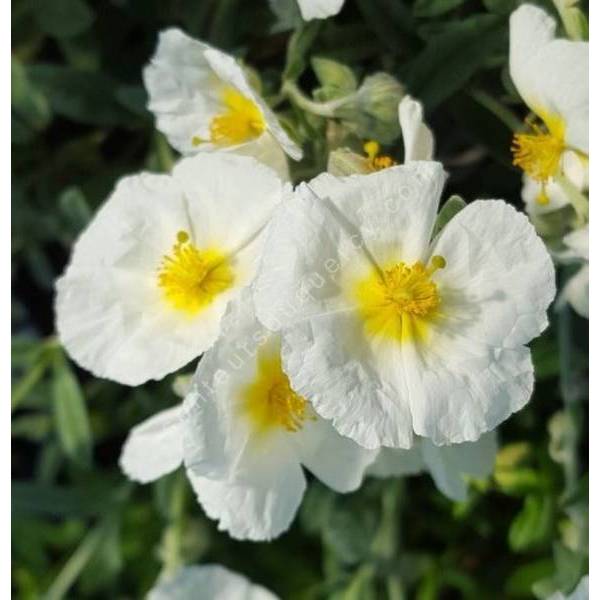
(241,121)
(377,161)
(399,302)
(269,401)
(539,152)
(190,278)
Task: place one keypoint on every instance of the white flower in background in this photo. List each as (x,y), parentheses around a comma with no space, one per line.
(319,9)
(151,276)
(449,466)
(203,101)
(551,76)
(247,435)
(387,331)
(416,136)
(208,582)
(581,592)
(577,289)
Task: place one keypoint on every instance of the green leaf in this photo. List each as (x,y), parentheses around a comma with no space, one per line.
(70,414)
(453,56)
(434,8)
(533,526)
(79,95)
(521,580)
(30,107)
(287,13)
(63,18)
(451,208)
(298,46)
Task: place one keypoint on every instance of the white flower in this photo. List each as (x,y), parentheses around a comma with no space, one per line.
(151,276)
(551,76)
(388,332)
(416,136)
(247,434)
(449,466)
(319,9)
(577,289)
(202,101)
(581,592)
(208,582)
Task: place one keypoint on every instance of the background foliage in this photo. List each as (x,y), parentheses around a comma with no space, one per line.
(80,530)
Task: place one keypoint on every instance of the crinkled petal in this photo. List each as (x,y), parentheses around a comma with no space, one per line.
(551,75)
(319,9)
(499,278)
(416,136)
(337,461)
(208,582)
(360,387)
(257,511)
(182,88)
(449,465)
(154,447)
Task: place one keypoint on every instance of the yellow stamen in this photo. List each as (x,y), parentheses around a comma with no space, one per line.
(376,161)
(400,302)
(539,152)
(269,401)
(190,278)
(241,121)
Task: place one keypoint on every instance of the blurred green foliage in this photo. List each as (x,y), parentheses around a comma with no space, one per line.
(80,529)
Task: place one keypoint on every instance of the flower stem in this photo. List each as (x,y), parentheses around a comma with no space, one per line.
(297,97)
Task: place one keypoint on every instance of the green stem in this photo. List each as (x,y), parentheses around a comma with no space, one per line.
(172,555)
(296,96)
(503,113)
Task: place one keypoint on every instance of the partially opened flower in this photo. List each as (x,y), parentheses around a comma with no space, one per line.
(319,9)
(551,76)
(203,101)
(416,136)
(577,289)
(450,466)
(151,276)
(387,331)
(208,582)
(247,435)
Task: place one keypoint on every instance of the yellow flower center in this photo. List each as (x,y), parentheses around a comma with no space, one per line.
(399,302)
(240,122)
(539,152)
(269,401)
(190,278)
(375,160)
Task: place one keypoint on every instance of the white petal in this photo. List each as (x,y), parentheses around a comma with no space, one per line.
(449,465)
(396,462)
(319,9)
(232,73)
(416,136)
(499,278)
(579,242)
(154,447)
(182,88)
(459,390)
(334,229)
(337,461)
(581,592)
(208,582)
(551,75)
(257,511)
(577,292)
(360,387)
(267,150)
